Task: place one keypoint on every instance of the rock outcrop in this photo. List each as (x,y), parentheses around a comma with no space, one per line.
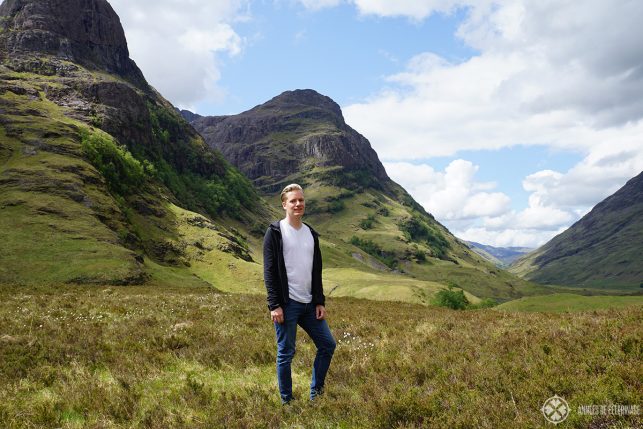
(86,32)
(291,134)
(94,163)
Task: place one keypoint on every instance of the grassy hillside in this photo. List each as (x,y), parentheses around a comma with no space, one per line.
(601,250)
(378,233)
(568,302)
(77,206)
(368,222)
(118,189)
(189,357)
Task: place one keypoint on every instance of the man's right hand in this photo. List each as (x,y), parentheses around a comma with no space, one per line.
(277,315)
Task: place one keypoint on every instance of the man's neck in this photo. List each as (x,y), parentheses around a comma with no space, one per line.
(295,222)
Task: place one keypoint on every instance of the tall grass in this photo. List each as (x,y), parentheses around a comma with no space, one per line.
(129,357)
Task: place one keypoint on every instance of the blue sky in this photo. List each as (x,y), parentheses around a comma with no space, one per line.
(507,119)
(334,51)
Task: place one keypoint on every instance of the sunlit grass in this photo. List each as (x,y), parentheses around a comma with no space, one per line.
(193,357)
(560,302)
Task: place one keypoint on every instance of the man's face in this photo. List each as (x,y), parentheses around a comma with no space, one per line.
(294,204)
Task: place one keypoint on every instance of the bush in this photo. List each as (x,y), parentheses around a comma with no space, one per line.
(485,303)
(368,246)
(383,211)
(367,223)
(420,256)
(451,298)
(415,229)
(336,206)
(122,172)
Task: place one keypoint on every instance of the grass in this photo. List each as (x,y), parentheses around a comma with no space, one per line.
(561,302)
(115,357)
(51,201)
(64,220)
(381,286)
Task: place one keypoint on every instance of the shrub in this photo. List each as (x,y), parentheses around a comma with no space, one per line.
(368,222)
(485,303)
(336,206)
(383,211)
(420,256)
(451,298)
(415,229)
(368,246)
(122,172)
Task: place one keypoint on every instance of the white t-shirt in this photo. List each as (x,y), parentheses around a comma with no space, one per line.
(299,247)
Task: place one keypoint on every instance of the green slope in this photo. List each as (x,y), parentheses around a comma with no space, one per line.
(601,250)
(94,170)
(563,302)
(101,180)
(380,232)
(369,222)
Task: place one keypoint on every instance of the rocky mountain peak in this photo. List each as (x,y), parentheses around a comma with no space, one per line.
(302,98)
(86,32)
(299,133)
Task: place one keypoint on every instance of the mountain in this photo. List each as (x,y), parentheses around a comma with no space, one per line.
(101,180)
(300,133)
(500,256)
(369,222)
(602,249)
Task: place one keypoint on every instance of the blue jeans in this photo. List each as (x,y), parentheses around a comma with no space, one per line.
(296,313)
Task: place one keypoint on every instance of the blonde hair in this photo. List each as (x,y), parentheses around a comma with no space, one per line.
(291,187)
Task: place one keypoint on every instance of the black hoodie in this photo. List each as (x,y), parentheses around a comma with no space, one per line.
(274,268)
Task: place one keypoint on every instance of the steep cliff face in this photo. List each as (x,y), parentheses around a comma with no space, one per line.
(98,172)
(86,32)
(297,133)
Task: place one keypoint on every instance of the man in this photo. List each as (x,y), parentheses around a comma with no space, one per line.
(292,274)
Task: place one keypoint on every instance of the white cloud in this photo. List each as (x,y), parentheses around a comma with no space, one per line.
(548,73)
(319,4)
(456,199)
(508,237)
(452,195)
(414,9)
(176,44)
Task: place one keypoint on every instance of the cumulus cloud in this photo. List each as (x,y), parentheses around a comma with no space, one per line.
(414,9)
(452,195)
(548,74)
(319,4)
(177,44)
(508,237)
(468,208)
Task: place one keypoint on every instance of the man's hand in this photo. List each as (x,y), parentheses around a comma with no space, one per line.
(320,311)
(277,315)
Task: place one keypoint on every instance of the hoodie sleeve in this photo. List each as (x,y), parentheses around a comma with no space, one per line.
(318,288)
(270,269)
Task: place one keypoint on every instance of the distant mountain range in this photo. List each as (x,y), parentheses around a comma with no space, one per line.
(604,249)
(500,256)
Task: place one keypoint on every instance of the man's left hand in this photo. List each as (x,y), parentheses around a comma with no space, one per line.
(320,311)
